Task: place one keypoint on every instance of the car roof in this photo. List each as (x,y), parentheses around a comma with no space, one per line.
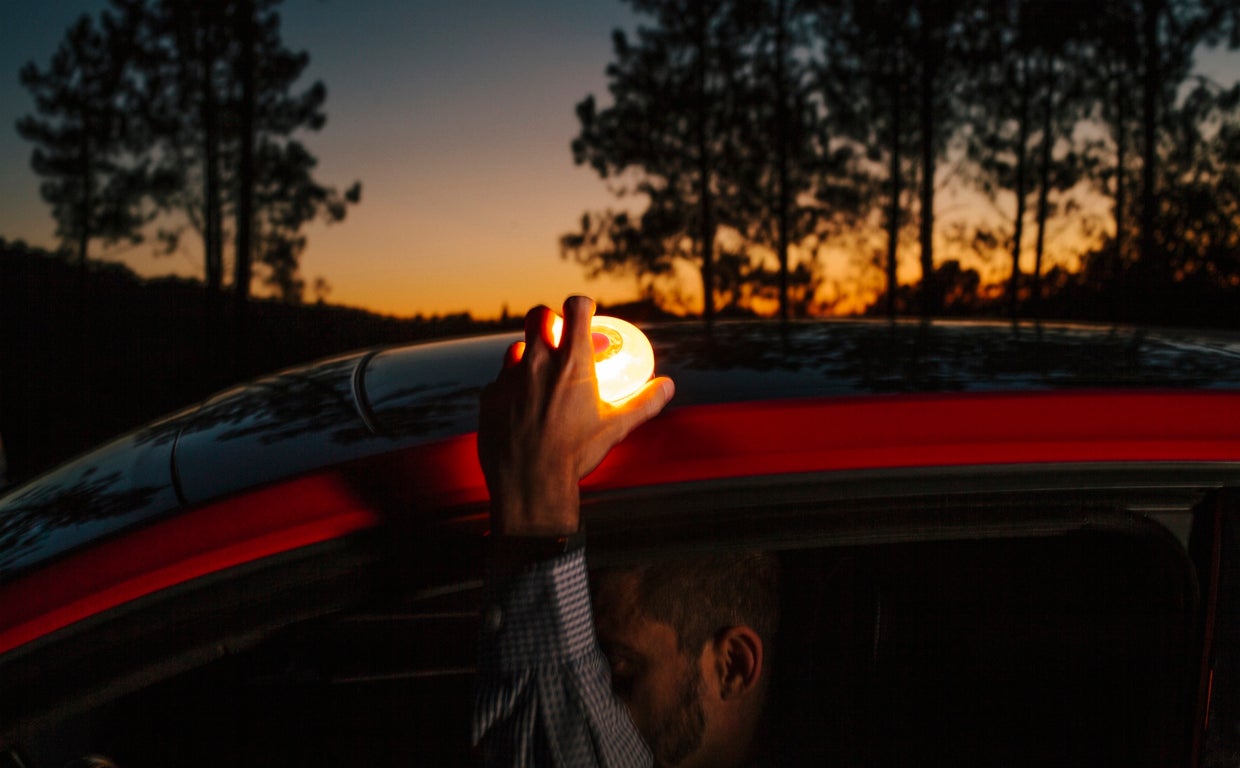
(380,401)
(318,452)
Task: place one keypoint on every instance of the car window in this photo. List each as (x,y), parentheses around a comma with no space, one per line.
(388,682)
(1221,743)
(1064,644)
(1064,650)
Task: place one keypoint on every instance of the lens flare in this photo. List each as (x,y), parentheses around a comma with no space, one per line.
(623,357)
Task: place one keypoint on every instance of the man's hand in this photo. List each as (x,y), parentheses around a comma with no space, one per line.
(543,427)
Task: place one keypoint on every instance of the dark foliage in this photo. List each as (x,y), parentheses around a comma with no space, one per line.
(786,127)
(65,386)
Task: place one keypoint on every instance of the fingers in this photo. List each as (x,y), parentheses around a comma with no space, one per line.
(577,313)
(538,323)
(641,407)
(514,354)
(566,343)
(538,338)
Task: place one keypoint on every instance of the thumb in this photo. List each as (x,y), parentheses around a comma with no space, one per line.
(641,407)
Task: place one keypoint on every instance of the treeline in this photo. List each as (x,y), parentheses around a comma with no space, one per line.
(926,136)
(166,118)
(90,353)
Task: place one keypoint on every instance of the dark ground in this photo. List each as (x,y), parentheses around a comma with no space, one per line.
(86,355)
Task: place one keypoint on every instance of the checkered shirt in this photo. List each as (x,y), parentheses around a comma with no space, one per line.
(544,693)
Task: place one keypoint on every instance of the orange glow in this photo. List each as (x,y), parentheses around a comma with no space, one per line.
(623,357)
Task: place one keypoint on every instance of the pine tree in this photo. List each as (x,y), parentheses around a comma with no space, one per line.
(666,137)
(222,102)
(85,138)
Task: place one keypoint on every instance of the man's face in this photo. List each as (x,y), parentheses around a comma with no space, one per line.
(662,688)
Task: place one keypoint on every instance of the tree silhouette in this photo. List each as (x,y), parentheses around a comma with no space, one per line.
(1201,201)
(85,136)
(245,28)
(759,128)
(1016,116)
(717,123)
(286,197)
(780,125)
(667,136)
(774,165)
(865,78)
(1167,34)
(1117,56)
(1146,50)
(1064,67)
(222,101)
(942,54)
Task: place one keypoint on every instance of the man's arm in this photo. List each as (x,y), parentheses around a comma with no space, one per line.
(544,694)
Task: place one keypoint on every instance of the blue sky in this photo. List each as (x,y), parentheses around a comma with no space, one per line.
(456,118)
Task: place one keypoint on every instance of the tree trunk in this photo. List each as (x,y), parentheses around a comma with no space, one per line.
(211,184)
(1151,11)
(707,234)
(243,258)
(781,119)
(1019,221)
(212,245)
(84,202)
(1044,184)
(1121,160)
(896,184)
(83,245)
(245,165)
(929,64)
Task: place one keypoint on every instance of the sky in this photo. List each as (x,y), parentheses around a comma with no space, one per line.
(455,116)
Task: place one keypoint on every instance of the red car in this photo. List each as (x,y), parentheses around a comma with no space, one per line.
(1000,546)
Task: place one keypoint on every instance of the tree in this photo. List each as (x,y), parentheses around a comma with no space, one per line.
(891,77)
(716,123)
(1201,198)
(646,246)
(286,197)
(1066,95)
(245,27)
(941,50)
(1157,40)
(221,100)
(864,73)
(791,188)
(85,137)
(1114,33)
(1032,65)
(1002,115)
(665,137)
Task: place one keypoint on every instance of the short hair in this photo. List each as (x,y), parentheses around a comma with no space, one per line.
(698,596)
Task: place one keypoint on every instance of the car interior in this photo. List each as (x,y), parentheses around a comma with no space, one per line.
(1028,645)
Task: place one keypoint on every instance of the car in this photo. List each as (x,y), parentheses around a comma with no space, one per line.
(1000,544)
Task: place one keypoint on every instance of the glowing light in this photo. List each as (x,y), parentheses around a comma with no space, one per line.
(623,357)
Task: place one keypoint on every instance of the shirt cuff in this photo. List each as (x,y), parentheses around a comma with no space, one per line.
(540,615)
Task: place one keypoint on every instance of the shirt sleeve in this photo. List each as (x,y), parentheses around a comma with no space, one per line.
(544,693)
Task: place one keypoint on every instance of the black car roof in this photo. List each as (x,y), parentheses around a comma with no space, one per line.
(378,401)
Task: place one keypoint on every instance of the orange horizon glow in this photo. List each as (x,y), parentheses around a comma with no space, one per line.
(458,124)
(367,264)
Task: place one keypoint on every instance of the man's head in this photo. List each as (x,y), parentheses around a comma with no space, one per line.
(687,642)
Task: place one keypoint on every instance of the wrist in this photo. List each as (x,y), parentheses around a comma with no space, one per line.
(511,554)
(547,510)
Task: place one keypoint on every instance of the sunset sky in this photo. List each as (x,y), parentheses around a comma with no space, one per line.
(456,118)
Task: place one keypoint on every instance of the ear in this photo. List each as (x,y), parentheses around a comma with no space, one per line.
(739,659)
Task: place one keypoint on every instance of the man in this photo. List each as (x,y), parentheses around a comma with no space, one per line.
(687,693)
(687,643)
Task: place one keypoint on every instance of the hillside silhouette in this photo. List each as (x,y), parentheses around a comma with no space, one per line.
(89,353)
